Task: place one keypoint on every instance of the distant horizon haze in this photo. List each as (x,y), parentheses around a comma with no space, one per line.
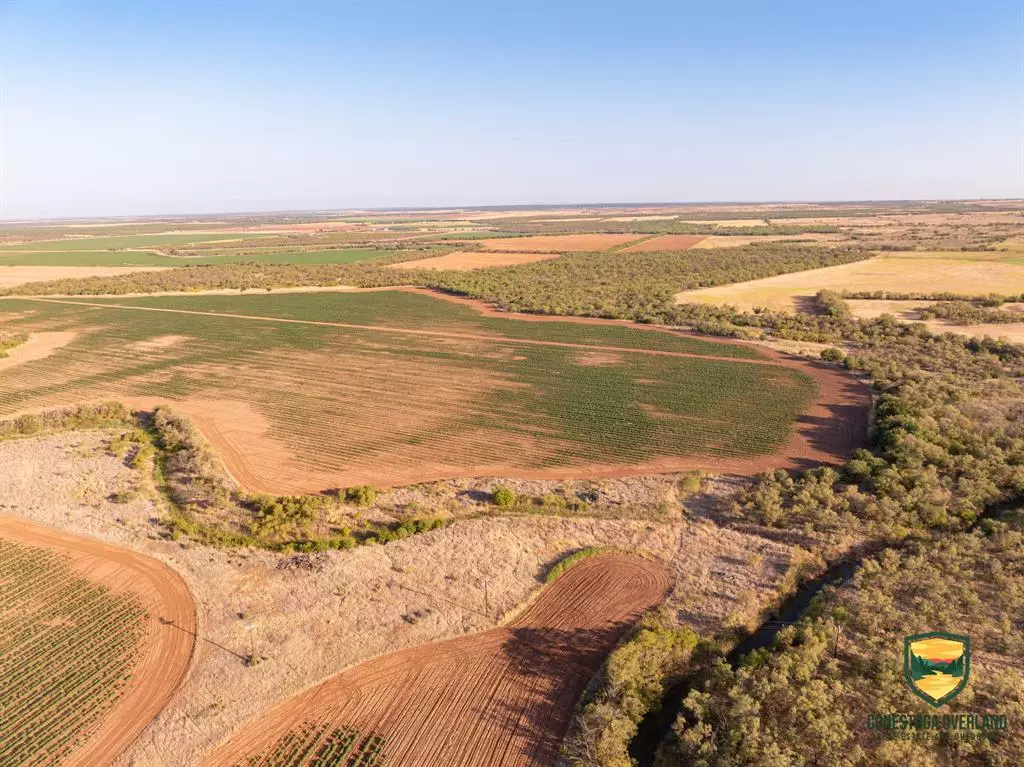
(348,211)
(128,109)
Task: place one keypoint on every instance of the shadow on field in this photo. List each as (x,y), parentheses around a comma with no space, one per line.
(548,670)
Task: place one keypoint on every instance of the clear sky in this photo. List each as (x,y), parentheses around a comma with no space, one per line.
(186,107)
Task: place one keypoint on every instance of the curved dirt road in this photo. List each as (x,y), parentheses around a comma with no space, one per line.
(500,697)
(170,631)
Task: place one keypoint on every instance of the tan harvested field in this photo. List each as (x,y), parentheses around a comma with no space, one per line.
(311,623)
(473,259)
(918,273)
(907,311)
(501,697)
(736,241)
(12,276)
(558,243)
(169,633)
(733,221)
(666,242)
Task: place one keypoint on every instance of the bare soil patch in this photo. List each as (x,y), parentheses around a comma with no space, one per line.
(558,243)
(38,346)
(473,259)
(666,242)
(160,342)
(13,276)
(170,631)
(598,359)
(501,697)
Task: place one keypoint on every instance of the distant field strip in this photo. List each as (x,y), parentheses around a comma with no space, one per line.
(37,257)
(126,241)
(307,391)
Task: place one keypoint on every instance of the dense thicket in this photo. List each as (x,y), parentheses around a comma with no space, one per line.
(622,285)
(806,702)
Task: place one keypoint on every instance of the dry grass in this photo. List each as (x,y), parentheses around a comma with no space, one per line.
(473,259)
(12,276)
(313,623)
(918,273)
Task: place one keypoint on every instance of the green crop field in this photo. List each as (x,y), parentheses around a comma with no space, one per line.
(84,258)
(126,241)
(149,258)
(67,648)
(409,387)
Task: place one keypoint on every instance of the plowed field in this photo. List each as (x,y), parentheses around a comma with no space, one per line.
(501,697)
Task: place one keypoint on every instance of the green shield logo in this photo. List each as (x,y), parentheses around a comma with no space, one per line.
(936,665)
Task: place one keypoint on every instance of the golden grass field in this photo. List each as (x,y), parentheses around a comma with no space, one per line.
(917,272)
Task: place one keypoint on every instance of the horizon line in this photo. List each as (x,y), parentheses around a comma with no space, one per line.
(508,206)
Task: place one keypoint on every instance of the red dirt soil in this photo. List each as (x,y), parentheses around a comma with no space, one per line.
(500,697)
(170,632)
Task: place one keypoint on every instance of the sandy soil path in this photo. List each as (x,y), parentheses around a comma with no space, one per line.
(170,631)
(500,697)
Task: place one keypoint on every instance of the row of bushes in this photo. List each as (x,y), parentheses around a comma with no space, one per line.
(967,313)
(989,300)
(103,416)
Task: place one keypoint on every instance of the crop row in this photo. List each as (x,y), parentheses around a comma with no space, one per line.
(320,745)
(67,650)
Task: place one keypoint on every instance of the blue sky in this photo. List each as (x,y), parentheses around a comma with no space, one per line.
(132,108)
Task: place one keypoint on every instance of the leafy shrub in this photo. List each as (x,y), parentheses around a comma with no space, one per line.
(833,355)
(633,684)
(361,495)
(504,497)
